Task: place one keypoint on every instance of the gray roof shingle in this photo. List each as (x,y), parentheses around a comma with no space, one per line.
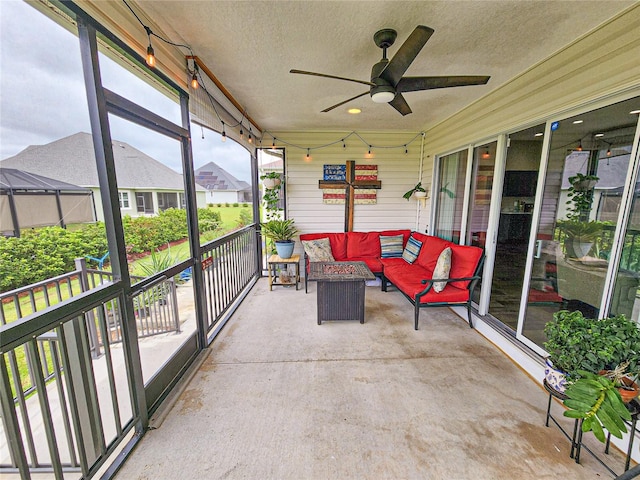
(72,159)
(214,177)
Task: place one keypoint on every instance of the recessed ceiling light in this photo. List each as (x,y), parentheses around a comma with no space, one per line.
(354,111)
(576,122)
(598,135)
(539,134)
(634,112)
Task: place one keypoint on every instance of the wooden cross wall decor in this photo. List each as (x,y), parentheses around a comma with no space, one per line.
(348,183)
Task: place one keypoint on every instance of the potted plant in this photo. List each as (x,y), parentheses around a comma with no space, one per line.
(568,343)
(281,232)
(580,236)
(418,191)
(622,379)
(271,179)
(580,232)
(576,343)
(596,400)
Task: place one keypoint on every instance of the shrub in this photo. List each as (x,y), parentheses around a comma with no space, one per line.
(226,204)
(46,252)
(236,204)
(50,251)
(208,220)
(245,218)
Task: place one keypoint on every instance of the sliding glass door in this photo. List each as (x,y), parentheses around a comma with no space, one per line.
(586,199)
(516,208)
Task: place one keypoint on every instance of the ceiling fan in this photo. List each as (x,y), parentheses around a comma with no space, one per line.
(387,83)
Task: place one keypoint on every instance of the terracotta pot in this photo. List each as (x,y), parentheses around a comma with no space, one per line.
(630,393)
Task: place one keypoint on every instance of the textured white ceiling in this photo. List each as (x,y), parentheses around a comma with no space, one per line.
(251,46)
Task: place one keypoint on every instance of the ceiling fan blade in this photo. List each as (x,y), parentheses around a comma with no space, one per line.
(406,54)
(342,103)
(400,104)
(302,72)
(413,84)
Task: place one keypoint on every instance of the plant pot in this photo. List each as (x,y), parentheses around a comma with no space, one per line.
(271,182)
(556,379)
(420,194)
(630,392)
(285,248)
(585,185)
(576,248)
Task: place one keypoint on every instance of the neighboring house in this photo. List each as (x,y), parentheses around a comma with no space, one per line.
(221,186)
(145,186)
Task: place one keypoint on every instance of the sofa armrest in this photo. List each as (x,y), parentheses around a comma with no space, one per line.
(429,282)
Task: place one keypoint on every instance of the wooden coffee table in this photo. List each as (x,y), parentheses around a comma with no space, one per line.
(341,287)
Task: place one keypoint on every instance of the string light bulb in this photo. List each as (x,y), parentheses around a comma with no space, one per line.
(308,154)
(579,149)
(273,143)
(486,154)
(151,57)
(406,150)
(369,149)
(250,138)
(344,145)
(241,134)
(194,77)
(224,134)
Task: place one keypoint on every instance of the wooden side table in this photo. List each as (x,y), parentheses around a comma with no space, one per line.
(275,260)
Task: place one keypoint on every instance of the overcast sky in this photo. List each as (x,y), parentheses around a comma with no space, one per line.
(43,96)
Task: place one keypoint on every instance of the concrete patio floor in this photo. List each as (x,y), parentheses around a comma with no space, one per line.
(279,397)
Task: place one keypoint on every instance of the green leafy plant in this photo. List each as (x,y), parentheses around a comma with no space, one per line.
(577,228)
(271,196)
(596,400)
(244,218)
(576,343)
(584,231)
(417,188)
(580,196)
(279,230)
(274,175)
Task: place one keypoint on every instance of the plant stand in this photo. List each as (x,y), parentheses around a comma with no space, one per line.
(274,261)
(576,437)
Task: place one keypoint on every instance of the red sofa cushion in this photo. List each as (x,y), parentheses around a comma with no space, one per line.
(464,260)
(338,242)
(408,278)
(374,264)
(431,249)
(363,245)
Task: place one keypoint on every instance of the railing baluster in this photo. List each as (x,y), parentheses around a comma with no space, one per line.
(53,349)
(45,410)
(11,424)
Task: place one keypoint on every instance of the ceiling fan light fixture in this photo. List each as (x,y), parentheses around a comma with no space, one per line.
(383,94)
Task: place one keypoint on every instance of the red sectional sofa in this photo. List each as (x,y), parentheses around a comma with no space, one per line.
(413,280)
(354,247)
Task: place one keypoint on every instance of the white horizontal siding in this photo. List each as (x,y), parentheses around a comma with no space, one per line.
(397,171)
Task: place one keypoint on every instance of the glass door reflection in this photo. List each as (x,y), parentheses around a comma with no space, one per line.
(588,162)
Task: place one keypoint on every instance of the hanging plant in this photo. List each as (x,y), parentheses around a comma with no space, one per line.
(418,189)
(273,184)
